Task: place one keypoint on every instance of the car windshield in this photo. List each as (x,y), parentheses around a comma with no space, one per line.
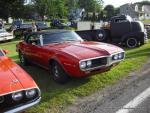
(60,37)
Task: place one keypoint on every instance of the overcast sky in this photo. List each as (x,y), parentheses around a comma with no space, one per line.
(117,3)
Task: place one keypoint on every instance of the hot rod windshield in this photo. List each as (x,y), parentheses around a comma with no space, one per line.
(60,37)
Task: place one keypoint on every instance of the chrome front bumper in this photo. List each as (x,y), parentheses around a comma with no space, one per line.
(23,107)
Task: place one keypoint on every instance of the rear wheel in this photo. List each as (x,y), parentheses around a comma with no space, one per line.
(23,60)
(131,42)
(58,73)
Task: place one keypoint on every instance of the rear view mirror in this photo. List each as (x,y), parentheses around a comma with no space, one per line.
(5,51)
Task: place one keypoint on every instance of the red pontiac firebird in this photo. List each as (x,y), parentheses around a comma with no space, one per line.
(18,91)
(66,55)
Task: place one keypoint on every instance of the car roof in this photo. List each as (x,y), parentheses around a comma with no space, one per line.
(52,31)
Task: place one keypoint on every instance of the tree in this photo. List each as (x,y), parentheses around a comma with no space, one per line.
(71,4)
(28,11)
(11,8)
(51,8)
(41,7)
(91,5)
(94,6)
(61,9)
(110,11)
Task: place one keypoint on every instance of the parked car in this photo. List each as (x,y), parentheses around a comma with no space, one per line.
(18,91)
(121,30)
(57,23)
(4,35)
(41,25)
(27,27)
(66,55)
(147,27)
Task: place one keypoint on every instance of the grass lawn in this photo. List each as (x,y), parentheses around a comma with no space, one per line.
(55,97)
(146,21)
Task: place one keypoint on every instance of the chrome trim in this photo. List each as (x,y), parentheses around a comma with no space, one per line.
(21,90)
(109,61)
(2,52)
(21,108)
(93,58)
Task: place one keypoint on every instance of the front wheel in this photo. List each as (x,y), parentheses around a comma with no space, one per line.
(23,60)
(131,42)
(58,73)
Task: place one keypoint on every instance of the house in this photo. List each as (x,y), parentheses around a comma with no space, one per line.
(136,11)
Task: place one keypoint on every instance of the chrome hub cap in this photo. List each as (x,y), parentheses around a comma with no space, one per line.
(22,58)
(56,73)
(132,42)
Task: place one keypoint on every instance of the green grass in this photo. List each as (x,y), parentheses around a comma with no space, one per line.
(56,97)
(146,21)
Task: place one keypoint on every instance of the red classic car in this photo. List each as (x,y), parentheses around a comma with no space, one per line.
(18,91)
(67,55)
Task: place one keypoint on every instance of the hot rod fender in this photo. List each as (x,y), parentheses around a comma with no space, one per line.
(138,35)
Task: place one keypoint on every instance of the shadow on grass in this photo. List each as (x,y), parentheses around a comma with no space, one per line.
(15,57)
(49,88)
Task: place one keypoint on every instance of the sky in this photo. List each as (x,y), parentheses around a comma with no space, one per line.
(117,3)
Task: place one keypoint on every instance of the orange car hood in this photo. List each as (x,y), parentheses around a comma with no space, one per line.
(12,77)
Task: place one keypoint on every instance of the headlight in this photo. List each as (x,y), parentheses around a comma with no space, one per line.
(89,63)
(82,64)
(17,96)
(30,93)
(115,57)
(118,56)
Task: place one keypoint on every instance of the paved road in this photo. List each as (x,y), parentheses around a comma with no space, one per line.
(130,95)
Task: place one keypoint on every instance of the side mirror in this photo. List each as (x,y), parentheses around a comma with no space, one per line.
(5,51)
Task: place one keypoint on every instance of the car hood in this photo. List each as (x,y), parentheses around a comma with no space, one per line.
(12,77)
(87,49)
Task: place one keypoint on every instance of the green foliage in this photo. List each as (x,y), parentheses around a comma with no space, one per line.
(71,4)
(110,11)
(91,5)
(60,8)
(11,8)
(51,8)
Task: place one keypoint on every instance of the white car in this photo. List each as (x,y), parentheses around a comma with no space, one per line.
(4,35)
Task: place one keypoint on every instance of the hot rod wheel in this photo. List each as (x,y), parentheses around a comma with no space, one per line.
(131,42)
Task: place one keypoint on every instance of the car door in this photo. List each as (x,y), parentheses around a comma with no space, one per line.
(43,54)
(32,48)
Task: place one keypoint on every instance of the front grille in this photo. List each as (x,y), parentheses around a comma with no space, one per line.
(8,103)
(99,62)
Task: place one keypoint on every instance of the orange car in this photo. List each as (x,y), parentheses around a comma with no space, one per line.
(18,91)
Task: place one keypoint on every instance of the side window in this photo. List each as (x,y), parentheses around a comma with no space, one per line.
(34,39)
(120,20)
